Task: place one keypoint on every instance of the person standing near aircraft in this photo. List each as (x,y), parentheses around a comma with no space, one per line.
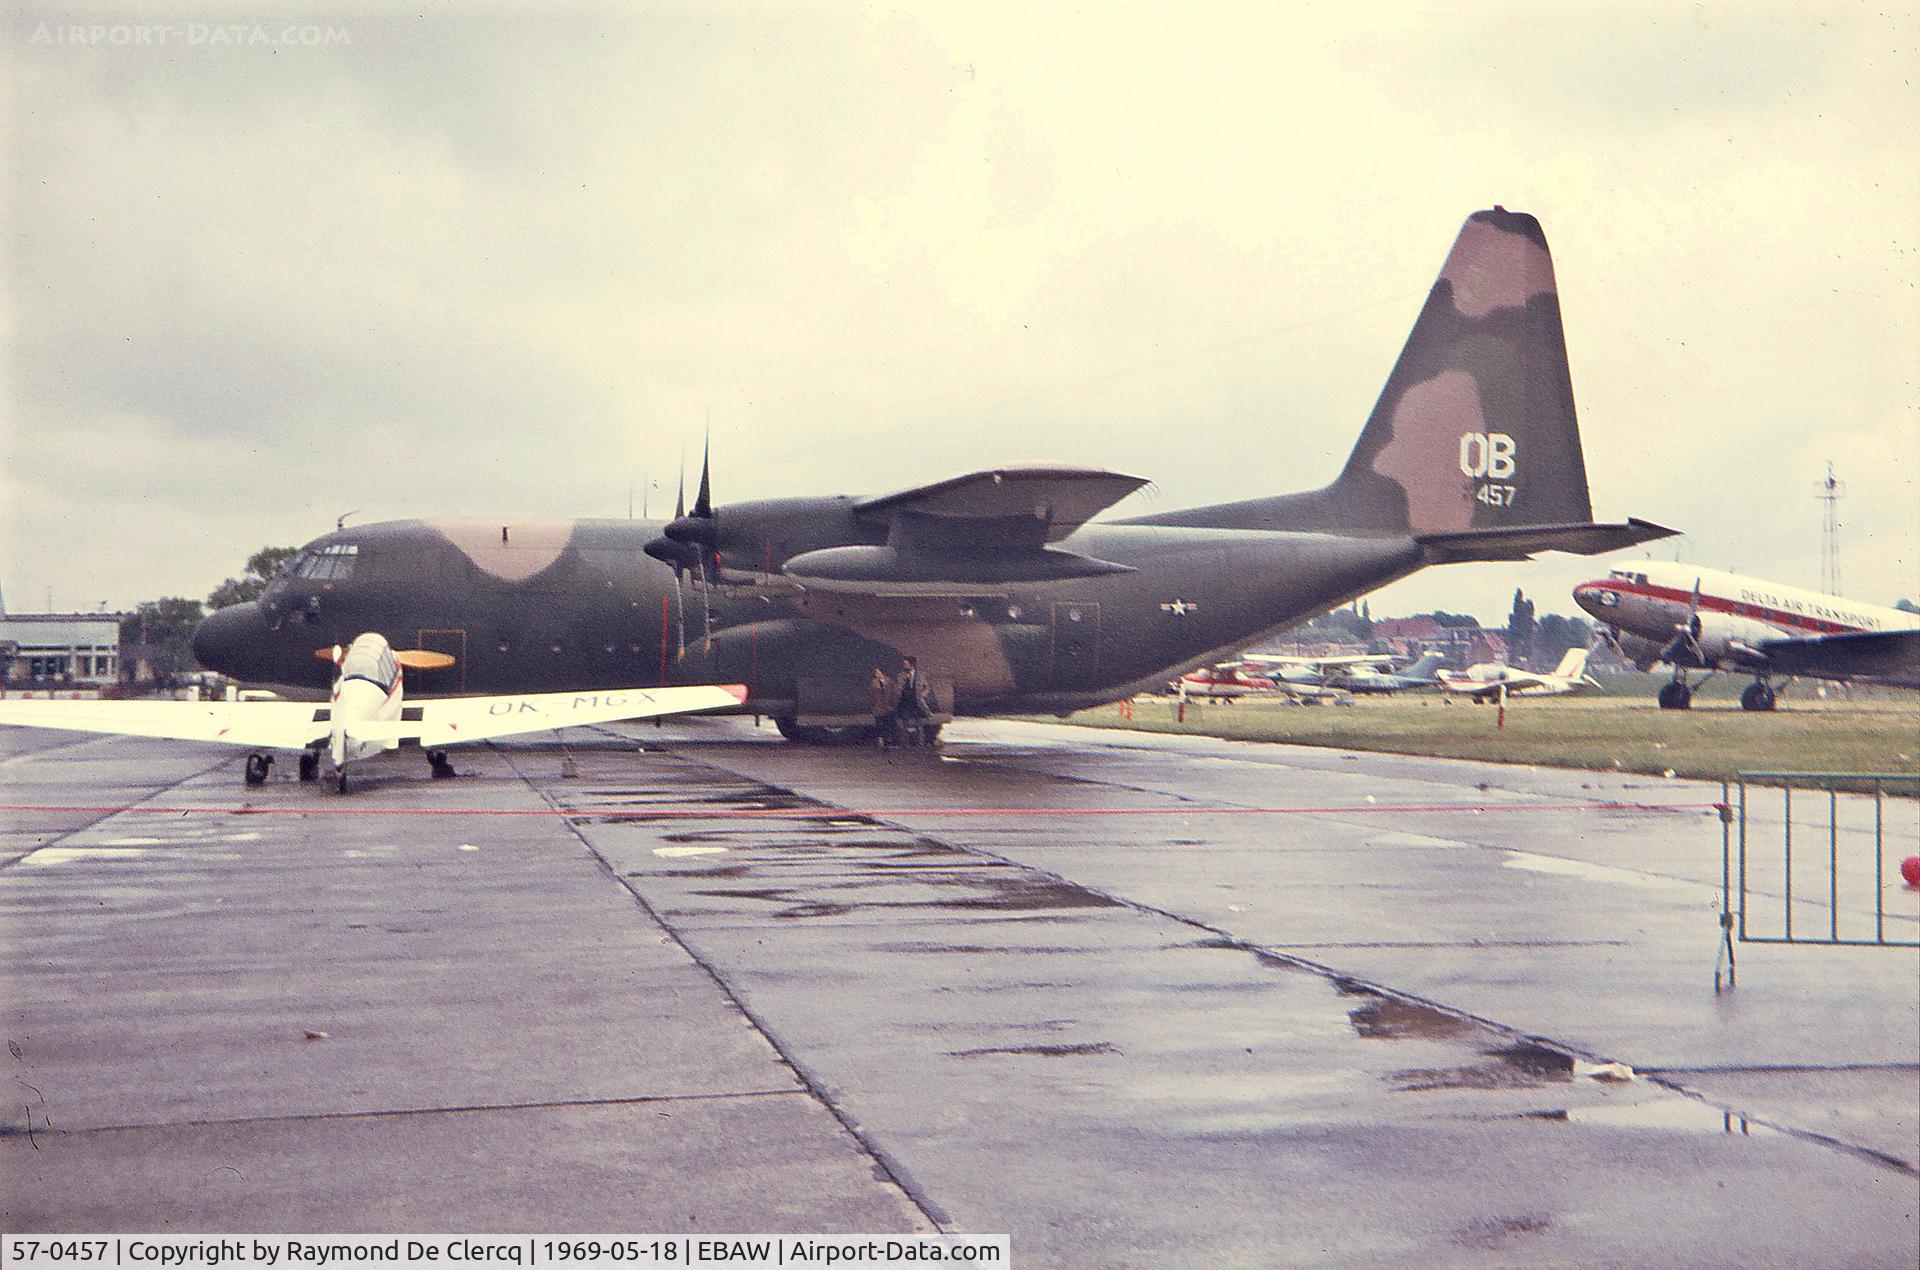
(910,702)
(880,700)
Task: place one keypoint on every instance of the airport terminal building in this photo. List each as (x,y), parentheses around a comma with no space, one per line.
(79,650)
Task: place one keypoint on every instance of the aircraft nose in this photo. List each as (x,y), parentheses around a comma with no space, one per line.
(231,640)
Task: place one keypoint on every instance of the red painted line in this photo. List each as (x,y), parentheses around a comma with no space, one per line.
(747,813)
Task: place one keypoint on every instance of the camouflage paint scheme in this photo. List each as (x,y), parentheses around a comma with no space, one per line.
(996,582)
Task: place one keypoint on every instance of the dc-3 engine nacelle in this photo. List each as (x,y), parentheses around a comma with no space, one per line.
(1722,638)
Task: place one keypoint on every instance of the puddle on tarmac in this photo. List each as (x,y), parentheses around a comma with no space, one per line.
(1519,1066)
(1384,1018)
(676,852)
(1042,1051)
(1674,1115)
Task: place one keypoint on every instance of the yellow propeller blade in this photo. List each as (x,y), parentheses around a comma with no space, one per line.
(422,659)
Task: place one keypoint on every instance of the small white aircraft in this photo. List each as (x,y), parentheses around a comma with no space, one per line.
(366,715)
(1490,680)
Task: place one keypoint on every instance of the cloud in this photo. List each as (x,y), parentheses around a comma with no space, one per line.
(481,261)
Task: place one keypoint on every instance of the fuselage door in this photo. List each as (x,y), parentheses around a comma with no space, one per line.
(1076,643)
(452,678)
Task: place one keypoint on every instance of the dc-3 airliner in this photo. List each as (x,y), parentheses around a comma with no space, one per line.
(1012,594)
(1706,619)
(366,715)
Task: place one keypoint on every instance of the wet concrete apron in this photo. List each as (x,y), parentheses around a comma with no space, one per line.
(1119,1081)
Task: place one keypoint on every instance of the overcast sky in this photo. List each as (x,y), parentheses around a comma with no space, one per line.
(476,260)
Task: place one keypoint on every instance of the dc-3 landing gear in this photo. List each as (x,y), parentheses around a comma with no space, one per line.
(309,766)
(257,768)
(1675,694)
(441,766)
(1759,695)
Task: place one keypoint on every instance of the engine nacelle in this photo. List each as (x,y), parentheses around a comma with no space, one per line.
(1722,638)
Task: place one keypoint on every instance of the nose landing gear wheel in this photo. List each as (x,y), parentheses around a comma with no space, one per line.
(1758,696)
(309,766)
(257,765)
(442,768)
(1675,695)
(340,781)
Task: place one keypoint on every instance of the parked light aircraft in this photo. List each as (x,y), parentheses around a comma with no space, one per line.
(1012,600)
(1706,619)
(1490,680)
(366,714)
(1377,679)
(1250,677)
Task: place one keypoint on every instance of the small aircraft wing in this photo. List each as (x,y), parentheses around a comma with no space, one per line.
(1875,654)
(1350,659)
(453,720)
(260,725)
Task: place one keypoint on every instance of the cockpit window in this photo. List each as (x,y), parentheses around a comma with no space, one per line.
(325,564)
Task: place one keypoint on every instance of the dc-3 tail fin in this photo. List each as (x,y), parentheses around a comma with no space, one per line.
(1473,447)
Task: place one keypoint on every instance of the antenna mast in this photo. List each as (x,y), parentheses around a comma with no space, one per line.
(1829,492)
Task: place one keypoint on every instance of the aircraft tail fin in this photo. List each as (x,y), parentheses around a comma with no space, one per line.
(1573,665)
(1474,438)
(1424,668)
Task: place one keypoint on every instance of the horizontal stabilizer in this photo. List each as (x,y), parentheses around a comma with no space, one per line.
(1520,542)
(1869,654)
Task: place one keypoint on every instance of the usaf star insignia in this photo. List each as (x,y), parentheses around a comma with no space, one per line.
(1179,608)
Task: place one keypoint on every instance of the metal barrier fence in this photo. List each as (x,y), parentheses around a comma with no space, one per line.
(1770,895)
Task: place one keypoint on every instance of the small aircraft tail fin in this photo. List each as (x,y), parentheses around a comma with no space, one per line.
(1474,438)
(1573,665)
(1424,668)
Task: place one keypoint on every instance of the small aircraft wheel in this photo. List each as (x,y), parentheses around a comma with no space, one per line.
(1675,695)
(309,766)
(257,765)
(1758,696)
(442,768)
(930,734)
(340,781)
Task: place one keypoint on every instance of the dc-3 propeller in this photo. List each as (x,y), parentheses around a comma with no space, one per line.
(411,658)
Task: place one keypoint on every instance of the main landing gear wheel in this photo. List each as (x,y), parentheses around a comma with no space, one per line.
(309,766)
(257,765)
(1758,696)
(1675,695)
(442,768)
(340,781)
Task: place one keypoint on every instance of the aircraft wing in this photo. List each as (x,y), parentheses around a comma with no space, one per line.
(260,725)
(454,720)
(1351,659)
(1057,499)
(1867,654)
(972,535)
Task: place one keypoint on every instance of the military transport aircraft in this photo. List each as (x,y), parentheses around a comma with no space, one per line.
(1000,582)
(1706,619)
(366,714)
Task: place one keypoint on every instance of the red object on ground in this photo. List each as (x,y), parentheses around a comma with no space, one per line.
(1910,870)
